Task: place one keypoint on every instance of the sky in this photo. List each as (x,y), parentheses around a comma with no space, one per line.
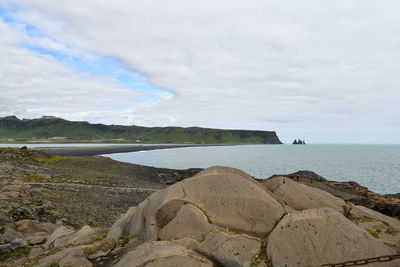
(324,71)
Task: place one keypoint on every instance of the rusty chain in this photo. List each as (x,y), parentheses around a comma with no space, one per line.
(361,262)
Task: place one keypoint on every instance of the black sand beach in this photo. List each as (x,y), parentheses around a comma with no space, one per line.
(92,151)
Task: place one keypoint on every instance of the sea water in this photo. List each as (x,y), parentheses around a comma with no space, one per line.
(374,166)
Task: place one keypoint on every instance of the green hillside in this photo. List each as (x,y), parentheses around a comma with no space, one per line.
(60,130)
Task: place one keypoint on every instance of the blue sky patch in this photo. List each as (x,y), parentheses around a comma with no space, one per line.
(87,62)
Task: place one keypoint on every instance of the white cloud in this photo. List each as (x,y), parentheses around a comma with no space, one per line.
(319,70)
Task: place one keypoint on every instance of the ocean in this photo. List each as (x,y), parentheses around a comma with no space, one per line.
(374,166)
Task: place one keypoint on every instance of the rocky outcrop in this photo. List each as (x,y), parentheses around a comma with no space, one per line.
(229,198)
(189,222)
(12,246)
(301,197)
(230,249)
(163,253)
(84,236)
(31,227)
(60,232)
(351,192)
(321,236)
(307,174)
(121,226)
(67,257)
(224,217)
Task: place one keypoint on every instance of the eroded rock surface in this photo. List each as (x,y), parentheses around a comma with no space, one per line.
(229,198)
(230,249)
(301,197)
(84,236)
(321,236)
(189,222)
(220,217)
(162,251)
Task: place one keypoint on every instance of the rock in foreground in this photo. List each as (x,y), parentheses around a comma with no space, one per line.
(223,217)
(322,235)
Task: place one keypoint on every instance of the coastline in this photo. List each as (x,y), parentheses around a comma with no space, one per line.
(103,150)
(44,192)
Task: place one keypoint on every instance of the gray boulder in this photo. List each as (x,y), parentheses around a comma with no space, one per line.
(189,222)
(321,236)
(157,253)
(233,250)
(84,236)
(175,261)
(32,227)
(122,225)
(60,232)
(67,257)
(35,252)
(13,246)
(228,197)
(8,235)
(301,197)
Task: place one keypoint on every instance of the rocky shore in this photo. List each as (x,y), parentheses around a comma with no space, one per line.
(64,211)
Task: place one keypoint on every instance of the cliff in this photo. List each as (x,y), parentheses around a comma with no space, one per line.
(59,130)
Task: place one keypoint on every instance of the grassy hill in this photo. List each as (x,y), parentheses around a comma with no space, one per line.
(60,130)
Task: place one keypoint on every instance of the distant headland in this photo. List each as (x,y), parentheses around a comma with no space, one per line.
(57,130)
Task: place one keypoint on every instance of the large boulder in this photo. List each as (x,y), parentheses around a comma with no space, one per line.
(301,197)
(8,234)
(67,257)
(189,222)
(162,253)
(14,245)
(228,197)
(321,236)
(121,226)
(175,261)
(31,227)
(85,235)
(75,260)
(102,248)
(363,212)
(378,225)
(60,232)
(6,221)
(37,239)
(233,250)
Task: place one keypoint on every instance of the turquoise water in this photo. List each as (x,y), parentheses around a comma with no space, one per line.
(374,166)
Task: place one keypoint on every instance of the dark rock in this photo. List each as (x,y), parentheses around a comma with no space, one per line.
(6,220)
(350,191)
(36,240)
(308,174)
(299,142)
(393,195)
(8,234)
(20,213)
(12,246)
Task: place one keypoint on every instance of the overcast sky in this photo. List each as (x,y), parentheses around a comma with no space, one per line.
(323,71)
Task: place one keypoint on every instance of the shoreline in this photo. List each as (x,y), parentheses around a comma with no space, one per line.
(95,151)
(42,191)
